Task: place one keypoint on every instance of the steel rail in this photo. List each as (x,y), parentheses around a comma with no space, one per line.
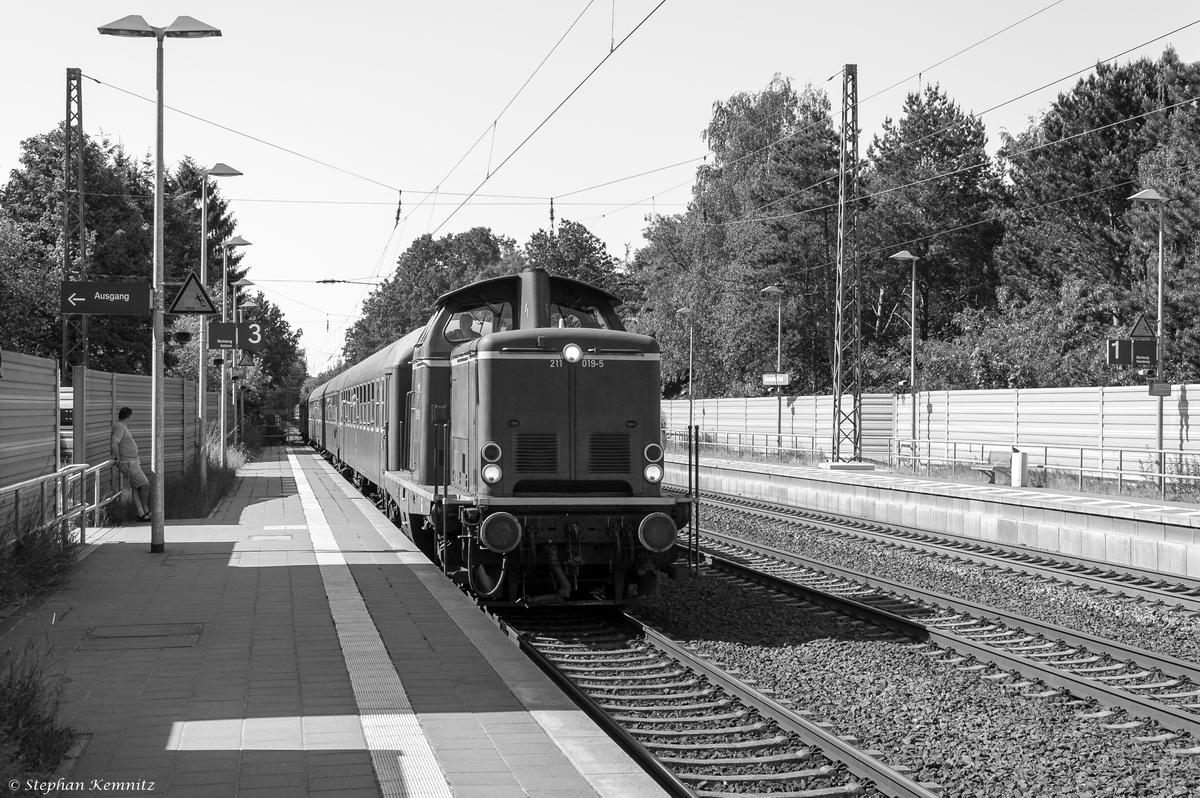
(858,761)
(1057,566)
(1142,706)
(630,744)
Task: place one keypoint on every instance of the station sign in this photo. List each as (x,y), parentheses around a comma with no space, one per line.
(1159,388)
(227,335)
(1145,352)
(775,378)
(113,299)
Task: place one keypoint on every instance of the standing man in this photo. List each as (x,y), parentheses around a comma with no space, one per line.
(125,453)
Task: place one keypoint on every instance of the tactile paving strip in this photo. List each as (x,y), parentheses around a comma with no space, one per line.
(404,763)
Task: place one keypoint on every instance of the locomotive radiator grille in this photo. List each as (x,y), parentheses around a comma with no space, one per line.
(608,453)
(536,452)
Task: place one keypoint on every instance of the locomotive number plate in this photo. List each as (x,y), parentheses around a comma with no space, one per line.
(592,363)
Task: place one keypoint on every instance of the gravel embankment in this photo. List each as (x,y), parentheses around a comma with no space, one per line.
(972,736)
(1135,623)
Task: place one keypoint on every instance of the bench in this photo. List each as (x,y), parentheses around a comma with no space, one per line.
(998,463)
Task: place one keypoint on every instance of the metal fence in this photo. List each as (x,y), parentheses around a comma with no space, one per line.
(1100,431)
(28,420)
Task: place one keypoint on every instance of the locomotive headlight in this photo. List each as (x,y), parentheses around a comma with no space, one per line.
(653,452)
(653,473)
(490,452)
(501,532)
(572,353)
(657,532)
(491,473)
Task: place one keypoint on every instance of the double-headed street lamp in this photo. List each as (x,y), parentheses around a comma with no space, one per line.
(1150,195)
(236,241)
(218,170)
(777,292)
(181,28)
(904,254)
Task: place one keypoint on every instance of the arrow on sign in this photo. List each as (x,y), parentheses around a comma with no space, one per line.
(74,300)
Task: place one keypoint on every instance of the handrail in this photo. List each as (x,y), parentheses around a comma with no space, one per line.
(67,494)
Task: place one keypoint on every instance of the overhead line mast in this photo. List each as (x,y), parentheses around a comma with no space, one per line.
(847,348)
(74,233)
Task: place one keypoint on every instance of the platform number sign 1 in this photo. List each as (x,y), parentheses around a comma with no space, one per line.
(1120,352)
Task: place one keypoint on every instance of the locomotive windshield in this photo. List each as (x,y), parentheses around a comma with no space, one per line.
(583,315)
(472,320)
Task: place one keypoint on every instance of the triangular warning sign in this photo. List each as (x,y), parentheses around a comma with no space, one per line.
(192,298)
(1141,329)
(245,360)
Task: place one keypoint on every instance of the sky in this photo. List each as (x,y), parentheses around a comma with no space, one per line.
(337,113)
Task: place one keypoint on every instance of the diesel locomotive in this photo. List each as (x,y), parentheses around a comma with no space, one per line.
(515,439)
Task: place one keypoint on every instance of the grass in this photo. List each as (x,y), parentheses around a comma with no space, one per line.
(32,743)
(32,557)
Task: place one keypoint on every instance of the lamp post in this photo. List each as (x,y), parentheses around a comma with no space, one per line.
(902,255)
(236,241)
(1150,195)
(241,392)
(687,312)
(181,28)
(777,292)
(218,170)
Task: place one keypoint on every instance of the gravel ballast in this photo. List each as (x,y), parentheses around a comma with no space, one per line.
(1142,624)
(972,736)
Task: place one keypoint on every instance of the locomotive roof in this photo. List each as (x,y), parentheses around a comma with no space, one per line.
(555,279)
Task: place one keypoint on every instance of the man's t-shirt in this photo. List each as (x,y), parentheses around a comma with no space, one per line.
(123,442)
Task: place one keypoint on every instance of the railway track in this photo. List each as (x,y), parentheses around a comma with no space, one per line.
(702,730)
(1026,653)
(1120,581)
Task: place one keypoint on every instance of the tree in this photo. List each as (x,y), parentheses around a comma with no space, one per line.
(118,194)
(932,189)
(428,268)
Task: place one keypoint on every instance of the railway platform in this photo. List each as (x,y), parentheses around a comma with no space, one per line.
(1154,535)
(296,643)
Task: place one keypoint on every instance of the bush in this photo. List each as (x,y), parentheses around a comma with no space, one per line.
(32,744)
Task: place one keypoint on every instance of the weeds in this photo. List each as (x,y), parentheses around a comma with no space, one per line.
(32,744)
(32,557)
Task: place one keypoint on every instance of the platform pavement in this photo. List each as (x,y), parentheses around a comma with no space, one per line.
(1147,533)
(295,643)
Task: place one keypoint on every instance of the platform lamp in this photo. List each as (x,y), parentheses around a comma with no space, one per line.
(217,170)
(182,28)
(240,393)
(1150,195)
(236,241)
(902,255)
(777,292)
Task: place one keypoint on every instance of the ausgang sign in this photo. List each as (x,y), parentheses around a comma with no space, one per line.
(114,299)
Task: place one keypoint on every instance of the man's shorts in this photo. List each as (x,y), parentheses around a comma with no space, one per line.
(132,469)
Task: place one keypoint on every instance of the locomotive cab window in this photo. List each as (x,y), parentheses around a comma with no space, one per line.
(473,320)
(581,316)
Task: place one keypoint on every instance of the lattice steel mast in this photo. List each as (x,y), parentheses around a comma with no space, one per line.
(74,233)
(847,367)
